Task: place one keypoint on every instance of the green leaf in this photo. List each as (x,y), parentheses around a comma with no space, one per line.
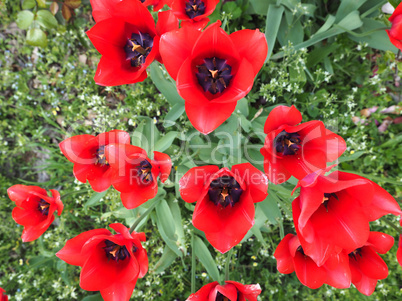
(352,157)
(270,208)
(165,86)
(395,3)
(318,54)
(348,6)
(41,3)
(175,209)
(165,217)
(151,135)
(170,242)
(94,199)
(36,37)
(28,4)
(24,19)
(242,107)
(175,112)
(165,261)
(166,141)
(46,19)
(274,17)
(203,254)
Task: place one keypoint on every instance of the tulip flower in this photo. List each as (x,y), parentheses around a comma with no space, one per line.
(87,152)
(395,33)
(290,257)
(212,69)
(132,45)
(231,290)
(134,174)
(34,209)
(225,201)
(3,296)
(193,12)
(297,150)
(399,252)
(366,265)
(110,263)
(332,213)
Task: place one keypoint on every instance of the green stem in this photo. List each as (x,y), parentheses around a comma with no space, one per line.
(75,192)
(227,265)
(396,228)
(144,215)
(192,264)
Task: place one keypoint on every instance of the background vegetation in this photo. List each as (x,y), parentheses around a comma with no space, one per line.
(332,59)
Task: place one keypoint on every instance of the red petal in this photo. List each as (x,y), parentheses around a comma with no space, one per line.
(138,197)
(203,293)
(100,177)
(255,180)
(282,115)
(273,167)
(228,290)
(399,252)
(310,199)
(27,217)
(256,48)
(118,155)
(250,291)
(119,291)
(193,183)
(167,21)
(366,285)
(197,25)
(102,9)
(308,272)
(340,276)
(71,252)
(206,118)
(397,12)
(176,46)
(57,201)
(371,264)
(380,242)
(395,42)
(31,233)
(20,193)
(74,146)
(283,256)
(164,164)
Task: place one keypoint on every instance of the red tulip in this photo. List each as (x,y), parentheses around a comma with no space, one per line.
(110,263)
(34,209)
(193,12)
(333,212)
(134,174)
(225,201)
(212,69)
(366,265)
(395,33)
(126,36)
(297,150)
(399,252)
(290,257)
(87,152)
(231,290)
(3,296)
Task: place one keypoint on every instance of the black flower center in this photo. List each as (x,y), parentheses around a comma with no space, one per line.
(287,143)
(224,191)
(138,47)
(300,249)
(214,75)
(100,156)
(43,207)
(220,297)
(145,172)
(327,198)
(357,252)
(195,8)
(116,252)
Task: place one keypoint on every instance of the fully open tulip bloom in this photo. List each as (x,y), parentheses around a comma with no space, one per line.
(194,12)
(366,265)
(225,201)
(333,212)
(293,149)
(230,291)
(126,36)
(212,69)
(134,174)
(395,33)
(34,209)
(3,296)
(291,257)
(110,263)
(87,152)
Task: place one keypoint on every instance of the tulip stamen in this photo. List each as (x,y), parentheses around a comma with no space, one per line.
(138,48)
(287,143)
(225,191)
(195,8)
(116,252)
(327,197)
(145,172)
(101,157)
(214,75)
(356,252)
(43,207)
